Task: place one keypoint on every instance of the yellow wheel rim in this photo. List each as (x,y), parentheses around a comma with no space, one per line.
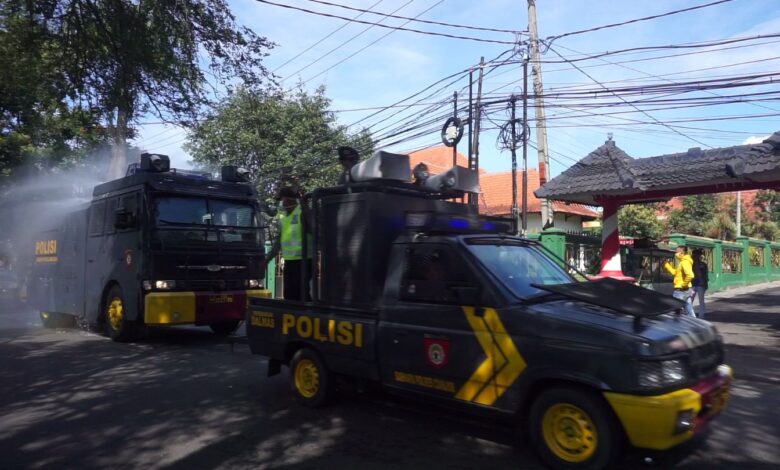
(569,433)
(115,314)
(307,378)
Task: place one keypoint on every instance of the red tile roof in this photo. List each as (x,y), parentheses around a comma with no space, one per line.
(438,159)
(496,196)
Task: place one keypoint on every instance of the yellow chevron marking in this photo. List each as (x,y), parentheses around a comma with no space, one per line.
(502,365)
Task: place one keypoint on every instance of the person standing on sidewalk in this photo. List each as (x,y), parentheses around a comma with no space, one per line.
(683,278)
(700,281)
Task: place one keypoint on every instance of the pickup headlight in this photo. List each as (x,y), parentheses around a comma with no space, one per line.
(253,283)
(655,374)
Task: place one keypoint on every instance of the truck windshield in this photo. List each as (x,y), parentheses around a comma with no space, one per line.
(203,221)
(202,211)
(518,266)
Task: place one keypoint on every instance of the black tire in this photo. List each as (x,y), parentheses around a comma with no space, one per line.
(225,328)
(118,327)
(311,382)
(574,428)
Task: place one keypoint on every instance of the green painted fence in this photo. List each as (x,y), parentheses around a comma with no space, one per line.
(746,261)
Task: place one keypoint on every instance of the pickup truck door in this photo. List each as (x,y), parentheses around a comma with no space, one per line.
(426,341)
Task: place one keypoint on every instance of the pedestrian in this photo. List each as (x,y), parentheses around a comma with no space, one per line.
(683,278)
(700,281)
(292,217)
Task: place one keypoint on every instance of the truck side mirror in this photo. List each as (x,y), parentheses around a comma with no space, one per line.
(124,219)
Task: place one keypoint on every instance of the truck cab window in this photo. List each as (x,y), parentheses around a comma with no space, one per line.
(97,217)
(108,225)
(433,274)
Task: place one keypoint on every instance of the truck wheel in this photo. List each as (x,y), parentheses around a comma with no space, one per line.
(574,428)
(310,380)
(119,328)
(225,328)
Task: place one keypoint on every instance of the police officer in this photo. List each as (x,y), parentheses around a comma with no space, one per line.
(290,244)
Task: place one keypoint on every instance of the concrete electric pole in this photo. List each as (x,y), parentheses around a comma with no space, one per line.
(541,127)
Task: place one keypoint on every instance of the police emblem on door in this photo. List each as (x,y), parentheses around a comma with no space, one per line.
(437,351)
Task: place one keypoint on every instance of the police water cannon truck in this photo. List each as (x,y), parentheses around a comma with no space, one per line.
(159,246)
(427,298)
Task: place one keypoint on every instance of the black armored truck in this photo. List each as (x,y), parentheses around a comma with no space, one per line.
(157,247)
(417,292)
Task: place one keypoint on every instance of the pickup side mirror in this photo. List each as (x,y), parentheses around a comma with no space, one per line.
(466,295)
(123,218)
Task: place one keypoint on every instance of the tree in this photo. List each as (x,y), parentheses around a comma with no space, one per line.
(38,126)
(696,215)
(123,59)
(767,203)
(639,220)
(281,137)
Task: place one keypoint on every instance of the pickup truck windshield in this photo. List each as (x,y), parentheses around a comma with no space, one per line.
(518,266)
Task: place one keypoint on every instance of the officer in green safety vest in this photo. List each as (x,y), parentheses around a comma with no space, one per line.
(290,244)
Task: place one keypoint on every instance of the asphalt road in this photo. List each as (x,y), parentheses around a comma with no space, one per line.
(184,399)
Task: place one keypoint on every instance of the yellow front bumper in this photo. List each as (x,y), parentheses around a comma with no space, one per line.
(182,308)
(649,421)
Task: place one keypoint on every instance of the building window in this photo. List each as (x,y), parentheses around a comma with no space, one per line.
(732,261)
(756,255)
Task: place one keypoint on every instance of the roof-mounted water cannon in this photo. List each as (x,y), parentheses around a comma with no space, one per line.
(382,166)
(457,178)
(155,162)
(234,174)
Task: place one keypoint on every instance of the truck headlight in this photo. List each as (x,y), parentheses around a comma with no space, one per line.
(164,285)
(654,374)
(253,283)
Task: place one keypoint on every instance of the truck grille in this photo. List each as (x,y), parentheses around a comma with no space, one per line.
(704,360)
(213,284)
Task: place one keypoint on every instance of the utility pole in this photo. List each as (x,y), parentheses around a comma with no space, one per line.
(515,227)
(541,127)
(474,157)
(739,213)
(526,129)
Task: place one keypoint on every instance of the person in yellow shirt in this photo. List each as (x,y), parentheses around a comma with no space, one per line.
(683,278)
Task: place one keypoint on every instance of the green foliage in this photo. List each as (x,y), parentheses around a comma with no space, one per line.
(639,220)
(722,227)
(695,216)
(280,137)
(68,65)
(767,203)
(39,128)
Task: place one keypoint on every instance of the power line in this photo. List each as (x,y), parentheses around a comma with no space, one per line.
(451,25)
(637,20)
(367,45)
(341,44)
(722,42)
(322,39)
(395,28)
(633,106)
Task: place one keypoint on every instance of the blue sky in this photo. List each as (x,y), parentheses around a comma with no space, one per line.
(403,63)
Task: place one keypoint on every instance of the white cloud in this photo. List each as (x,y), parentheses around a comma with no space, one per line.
(754,140)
